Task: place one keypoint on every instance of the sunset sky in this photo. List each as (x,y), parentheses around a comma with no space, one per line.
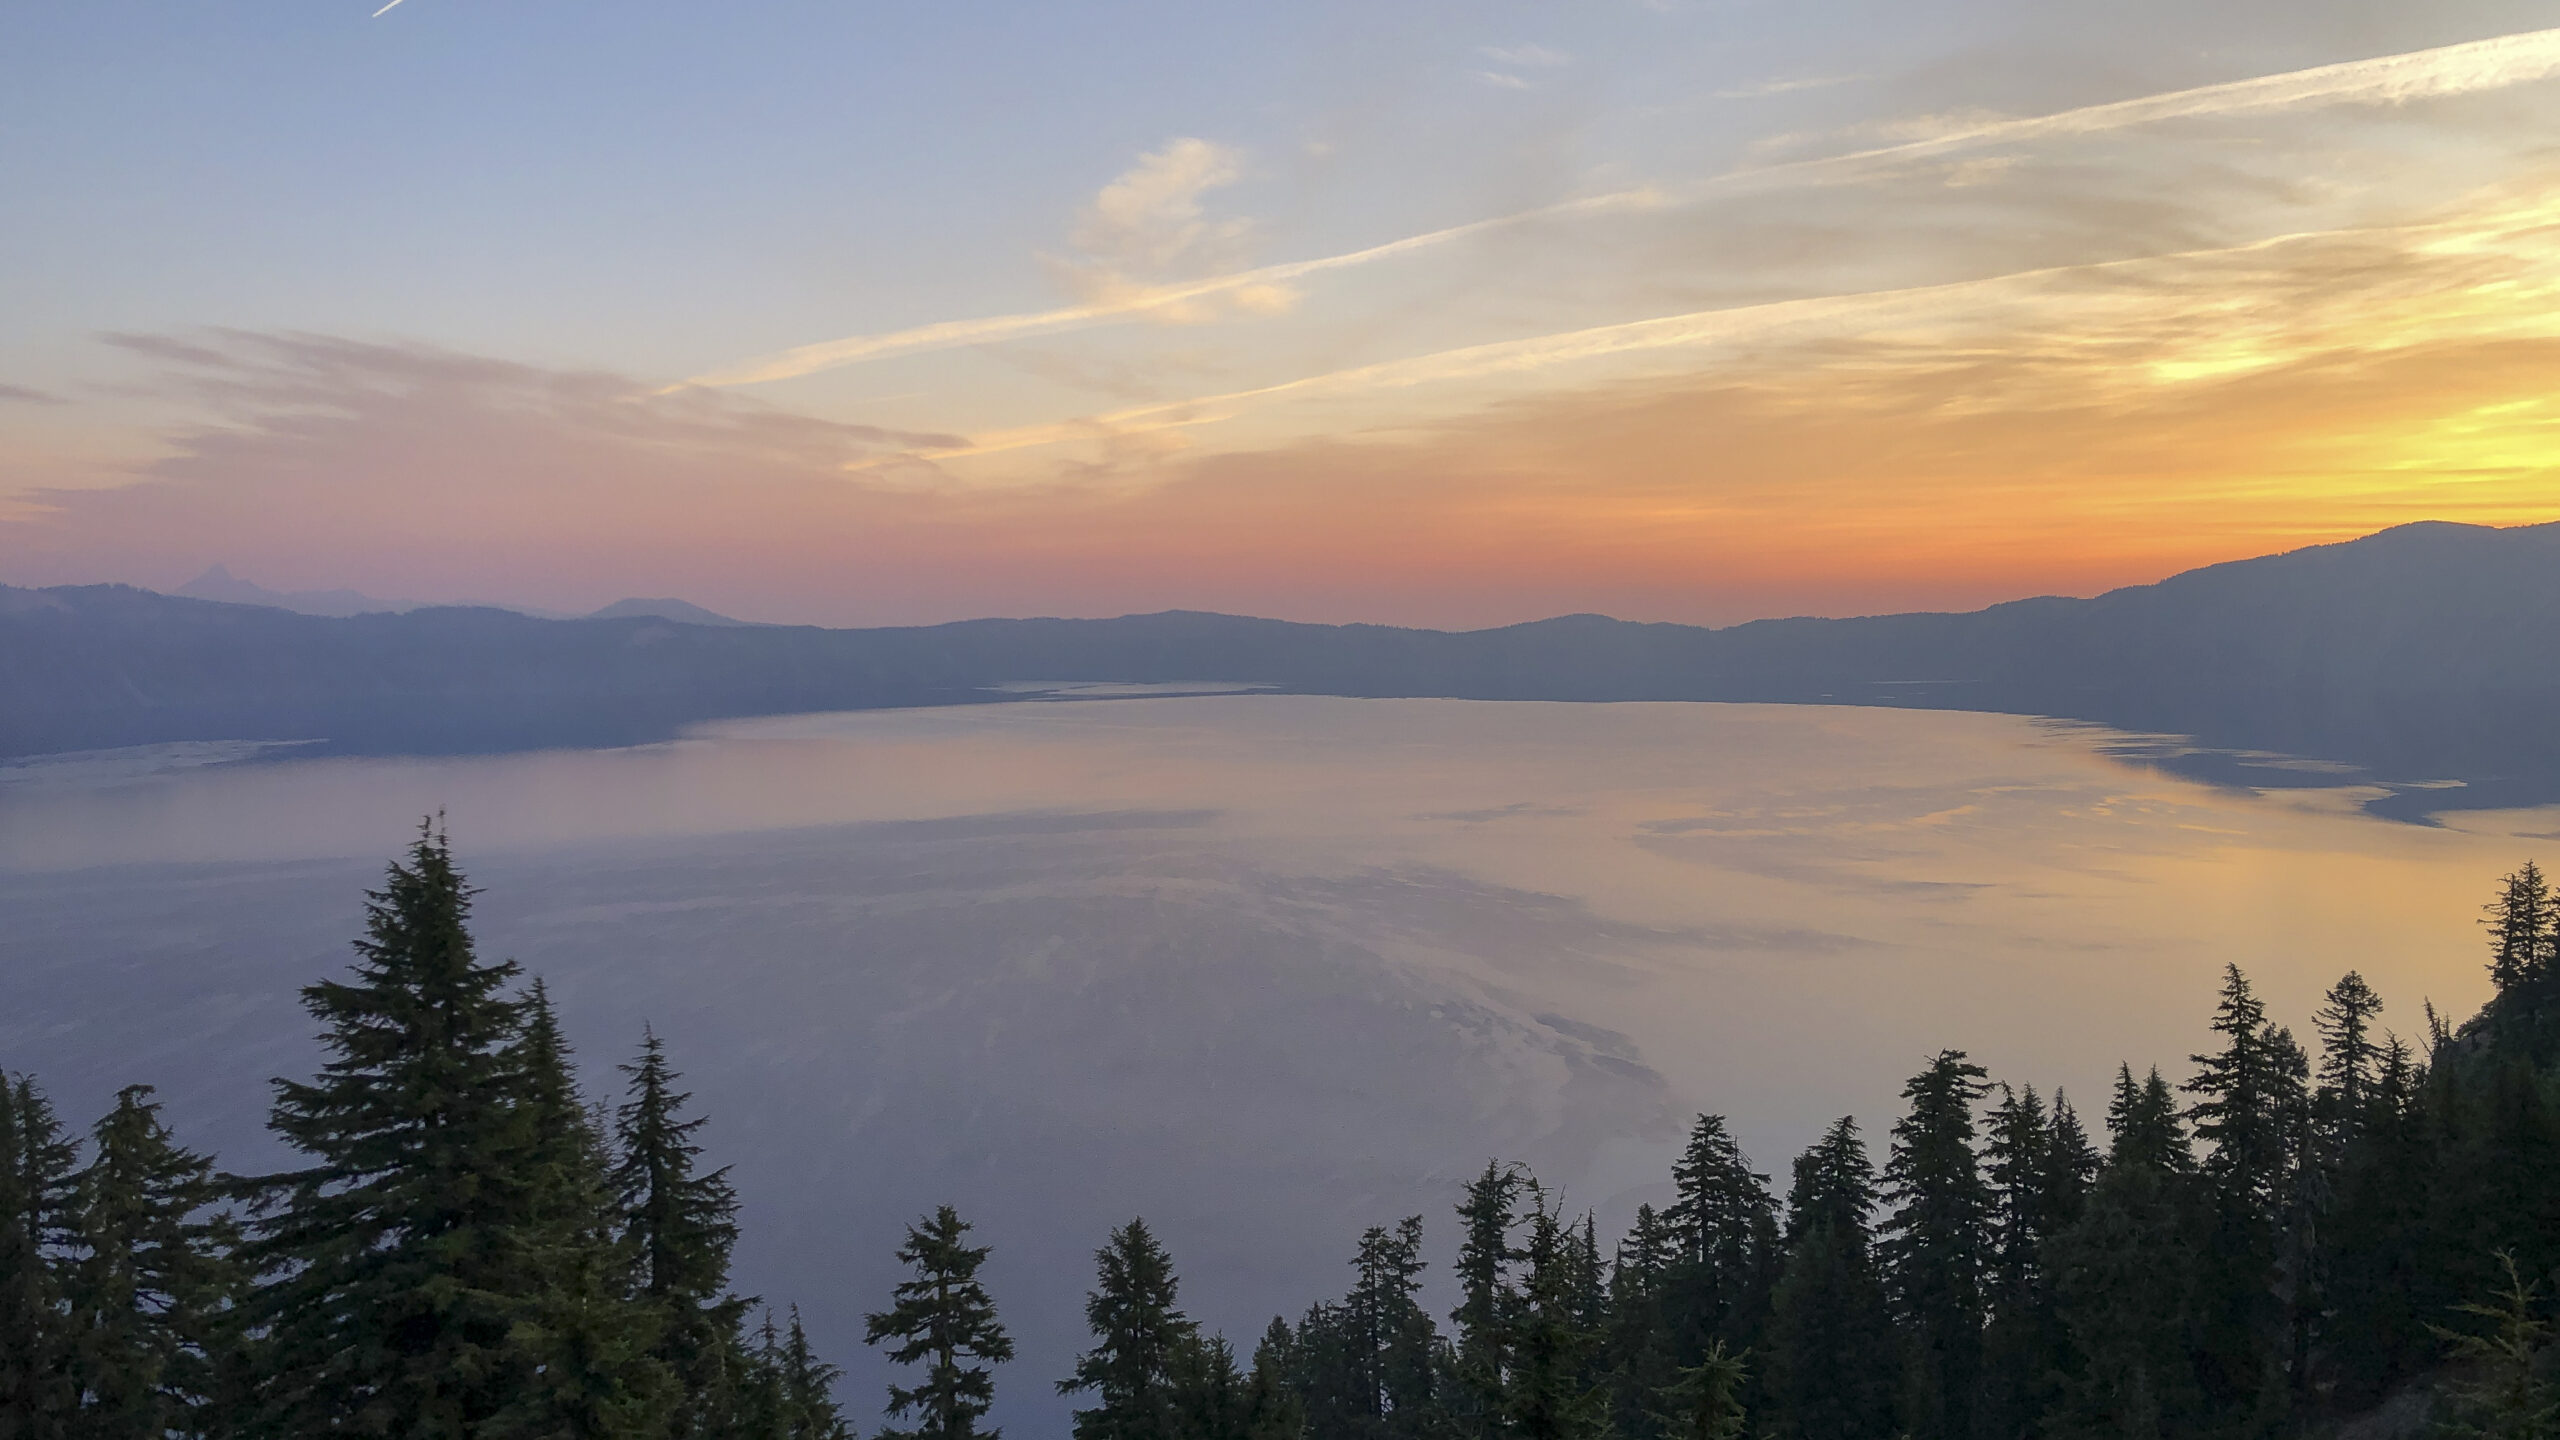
(1431,313)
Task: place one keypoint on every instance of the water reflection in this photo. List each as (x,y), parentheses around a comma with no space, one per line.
(1267,968)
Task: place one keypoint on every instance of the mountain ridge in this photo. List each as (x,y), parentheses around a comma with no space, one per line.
(2425,652)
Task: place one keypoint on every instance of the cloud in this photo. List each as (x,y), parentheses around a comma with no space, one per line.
(1765,88)
(2468,68)
(1528,57)
(1148,225)
(22,395)
(1920,452)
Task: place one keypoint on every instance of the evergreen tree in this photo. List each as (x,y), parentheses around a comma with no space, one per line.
(1551,1391)
(590,1346)
(943,1319)
(680,1226)
(2253,1111)
(2349,1051)
(1273,1410)
(1832,1371)
(2124,1277)
(2037,1169)
(2379,1243)
(39,1226)
(2524,965)
(1724,1221)
(150,1295)
(1936,1243)
(1395,1345)
(1643,1363)
(1705,1403)
(1211,1398)
(2509,1392)
(1489,1300)
(395,1274)
(808,1389)
(1136,1328)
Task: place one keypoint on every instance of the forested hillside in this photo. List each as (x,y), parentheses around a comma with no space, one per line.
(2298,1231)
(2422,653)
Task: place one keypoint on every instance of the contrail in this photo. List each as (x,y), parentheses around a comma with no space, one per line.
(387,9)
(2467,68)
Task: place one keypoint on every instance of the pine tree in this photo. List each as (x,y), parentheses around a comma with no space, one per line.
(1273,1410)
(2253,1111)
(2378,1243)
(1137,1328)
(1551,1392)
(2349,1052)
(1705,1403)
(680,1226)
(1640,1339)
(1832,1369)
(394,1272)
(2509,1393)
(2036,1169)
(1489,1300)
(594,1373)
(1211,1399)
(1393,1360)
(808,1389)
(944,1319)
(1935,1245)
(150,1295)
(1725,1223)
(2124,1276)
(39,1227)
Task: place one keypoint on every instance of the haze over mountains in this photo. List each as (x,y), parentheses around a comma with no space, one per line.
(2424,653)
(218,583)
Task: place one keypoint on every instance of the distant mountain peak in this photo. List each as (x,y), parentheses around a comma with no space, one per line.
(218,583)
(682,612)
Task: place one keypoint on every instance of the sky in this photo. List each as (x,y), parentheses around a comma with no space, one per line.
(1423,313)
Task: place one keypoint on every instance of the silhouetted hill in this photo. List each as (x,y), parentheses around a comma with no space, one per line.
(2424,652)
(684,611)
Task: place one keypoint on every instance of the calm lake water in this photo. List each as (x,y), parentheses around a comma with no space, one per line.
(1266,969)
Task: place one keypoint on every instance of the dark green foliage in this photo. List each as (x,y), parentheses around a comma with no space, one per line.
(1551,1389)
(1371,1365)
(1724,1230)
(1489,1304)
(1832,1365)
(678,1225)
(2123,1276)
(39,1226)
(1705,1402)
(1137,1331)
(2507,1390)
(2253,1113)
(1936,1244)
(151,1296)
(943,1318)
(396,1259)
(1273,1410)
(2038,1170)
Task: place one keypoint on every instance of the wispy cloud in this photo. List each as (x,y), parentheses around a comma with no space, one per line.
(2468,68)
(1528,57)
(2475,276)
(1766,88)
(1149,225)
(22,395)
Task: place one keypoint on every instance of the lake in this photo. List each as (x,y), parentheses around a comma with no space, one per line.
(1265,969)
